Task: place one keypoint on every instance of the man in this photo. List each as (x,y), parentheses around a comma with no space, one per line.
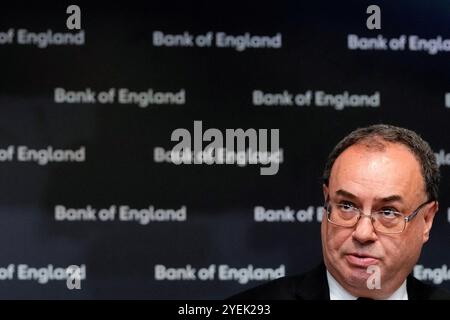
(380,187)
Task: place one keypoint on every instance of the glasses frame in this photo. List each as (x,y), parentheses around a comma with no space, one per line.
(407,218)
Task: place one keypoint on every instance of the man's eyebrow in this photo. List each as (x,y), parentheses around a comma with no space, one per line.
(347,194)
(392,198)
(344,193)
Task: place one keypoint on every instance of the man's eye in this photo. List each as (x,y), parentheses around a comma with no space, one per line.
(347,206)
(389,213)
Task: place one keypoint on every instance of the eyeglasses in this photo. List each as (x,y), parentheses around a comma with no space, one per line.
(387,221)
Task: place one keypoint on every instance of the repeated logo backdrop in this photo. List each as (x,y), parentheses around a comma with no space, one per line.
(86,118)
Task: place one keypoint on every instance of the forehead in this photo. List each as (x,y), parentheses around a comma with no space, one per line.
(376,173)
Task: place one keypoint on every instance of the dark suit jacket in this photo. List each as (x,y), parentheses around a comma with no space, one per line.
(313,285)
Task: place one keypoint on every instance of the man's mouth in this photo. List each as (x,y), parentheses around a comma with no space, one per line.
(361,260)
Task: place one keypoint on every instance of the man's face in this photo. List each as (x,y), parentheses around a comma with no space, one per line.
(366,178)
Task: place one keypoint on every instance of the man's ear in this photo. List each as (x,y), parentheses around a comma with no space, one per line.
(325,192)
(428,217)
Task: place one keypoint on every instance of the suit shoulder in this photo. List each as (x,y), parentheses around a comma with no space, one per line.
(278,289)
(419,290)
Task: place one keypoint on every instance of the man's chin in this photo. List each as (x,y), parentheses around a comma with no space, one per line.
(354,273)
(356,277)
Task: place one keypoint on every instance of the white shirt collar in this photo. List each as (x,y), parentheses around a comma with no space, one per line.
(337,292)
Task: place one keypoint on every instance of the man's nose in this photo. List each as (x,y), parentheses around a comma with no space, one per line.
(364,230)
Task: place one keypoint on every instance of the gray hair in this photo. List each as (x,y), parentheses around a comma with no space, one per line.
(373,137)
